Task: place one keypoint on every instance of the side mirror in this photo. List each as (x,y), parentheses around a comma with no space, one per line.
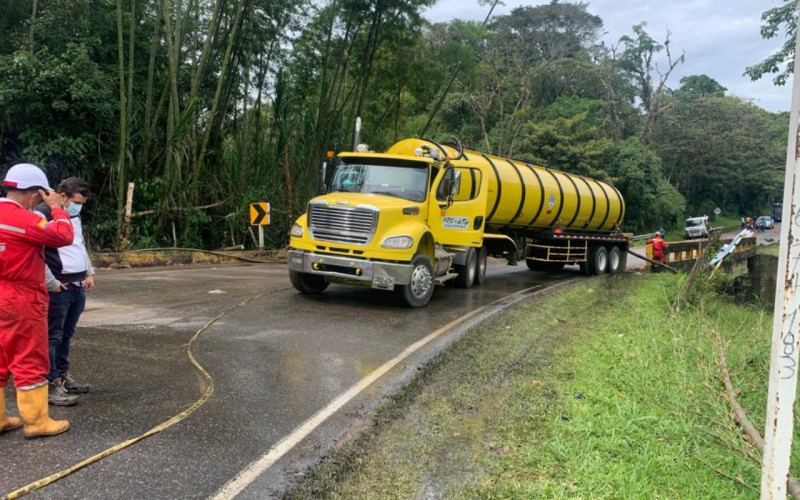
(456,187)
(323,188)
(444,194)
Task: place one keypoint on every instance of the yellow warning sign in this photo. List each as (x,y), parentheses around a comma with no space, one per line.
(259,214)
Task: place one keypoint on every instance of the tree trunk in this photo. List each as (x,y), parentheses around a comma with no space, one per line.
(373,42)
(148,111)
(131,46)
(32,25)
(122,130)
(215,103)
(170,176)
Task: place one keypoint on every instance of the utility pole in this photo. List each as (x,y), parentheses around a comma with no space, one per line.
(785,332)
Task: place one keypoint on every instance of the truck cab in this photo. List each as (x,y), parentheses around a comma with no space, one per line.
(393,222)
(697,227)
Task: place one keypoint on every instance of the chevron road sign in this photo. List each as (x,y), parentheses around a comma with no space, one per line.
(259,214)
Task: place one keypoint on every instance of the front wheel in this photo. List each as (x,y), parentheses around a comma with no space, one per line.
(420,289)
(309,284)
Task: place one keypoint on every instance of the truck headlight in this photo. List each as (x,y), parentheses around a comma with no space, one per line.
(297,231)
(398,242)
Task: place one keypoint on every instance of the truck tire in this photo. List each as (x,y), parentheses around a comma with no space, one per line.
(467,272)
(598,261)
(480,275)
(616,262)
(308,284)
(420,290)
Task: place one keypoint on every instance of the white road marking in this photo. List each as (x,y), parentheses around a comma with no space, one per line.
(259,466)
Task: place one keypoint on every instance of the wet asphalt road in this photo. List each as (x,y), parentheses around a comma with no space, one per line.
(275,362)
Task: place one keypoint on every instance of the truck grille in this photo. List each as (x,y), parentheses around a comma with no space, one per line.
(342,225)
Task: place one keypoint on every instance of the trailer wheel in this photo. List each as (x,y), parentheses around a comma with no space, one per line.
(308,284)
(467,272)
(420,290)
(480,275)
(616,263)
(598,261)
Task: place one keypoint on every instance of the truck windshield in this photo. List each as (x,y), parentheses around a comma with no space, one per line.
(694,222)
(409,183)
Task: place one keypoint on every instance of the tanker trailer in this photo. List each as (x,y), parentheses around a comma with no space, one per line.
(560,218)
(425,213)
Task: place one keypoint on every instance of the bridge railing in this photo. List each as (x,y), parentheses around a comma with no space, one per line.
(682,254)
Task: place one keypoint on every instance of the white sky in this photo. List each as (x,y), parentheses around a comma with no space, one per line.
(719,37)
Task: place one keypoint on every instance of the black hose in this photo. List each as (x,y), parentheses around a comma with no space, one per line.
(459,146)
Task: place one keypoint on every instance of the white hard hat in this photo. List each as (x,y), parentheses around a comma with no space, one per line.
(26,176)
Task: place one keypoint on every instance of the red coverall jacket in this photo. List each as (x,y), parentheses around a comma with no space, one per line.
(23,296)
(659,248)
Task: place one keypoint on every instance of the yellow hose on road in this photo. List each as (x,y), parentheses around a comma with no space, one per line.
(155,430)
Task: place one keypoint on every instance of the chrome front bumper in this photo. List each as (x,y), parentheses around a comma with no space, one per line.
(382,275)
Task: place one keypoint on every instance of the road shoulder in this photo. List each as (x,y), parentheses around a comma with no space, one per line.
(570,395)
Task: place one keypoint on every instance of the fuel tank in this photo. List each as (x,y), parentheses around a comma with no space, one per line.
(528,197)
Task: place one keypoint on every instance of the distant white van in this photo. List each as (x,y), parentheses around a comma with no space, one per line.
(697,227)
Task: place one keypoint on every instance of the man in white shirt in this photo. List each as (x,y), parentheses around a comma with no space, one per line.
(69,275)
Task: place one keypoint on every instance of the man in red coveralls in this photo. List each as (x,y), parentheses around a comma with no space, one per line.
(659,247)
(23,296)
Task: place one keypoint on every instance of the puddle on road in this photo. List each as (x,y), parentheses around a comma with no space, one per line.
(101,314)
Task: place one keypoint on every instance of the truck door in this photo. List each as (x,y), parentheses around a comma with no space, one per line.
(457,213)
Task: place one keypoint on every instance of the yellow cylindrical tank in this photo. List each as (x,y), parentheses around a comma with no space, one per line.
(527,196)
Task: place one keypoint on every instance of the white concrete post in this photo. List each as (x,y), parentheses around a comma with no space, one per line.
(129,202)
(785,332)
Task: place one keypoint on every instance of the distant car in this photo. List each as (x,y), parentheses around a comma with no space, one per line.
(696,227)
(764,222)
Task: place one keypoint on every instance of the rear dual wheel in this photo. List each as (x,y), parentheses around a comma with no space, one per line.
(473,272)
(467,271)
(597,263)
(602,260)
(480,276)
(616,260)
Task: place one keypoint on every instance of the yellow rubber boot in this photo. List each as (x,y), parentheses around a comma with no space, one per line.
(33,410)
(7,423)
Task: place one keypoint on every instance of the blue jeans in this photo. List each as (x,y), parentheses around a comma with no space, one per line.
(62,319)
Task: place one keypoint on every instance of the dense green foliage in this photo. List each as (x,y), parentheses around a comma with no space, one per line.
(778,21)
(208,105)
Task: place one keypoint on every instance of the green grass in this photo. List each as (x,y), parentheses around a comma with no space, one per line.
(596,391)
(773,249)
(726,221)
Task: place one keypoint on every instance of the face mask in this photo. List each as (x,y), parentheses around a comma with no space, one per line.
(74,209)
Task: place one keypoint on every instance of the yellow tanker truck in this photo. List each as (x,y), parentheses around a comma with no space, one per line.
(424,213)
